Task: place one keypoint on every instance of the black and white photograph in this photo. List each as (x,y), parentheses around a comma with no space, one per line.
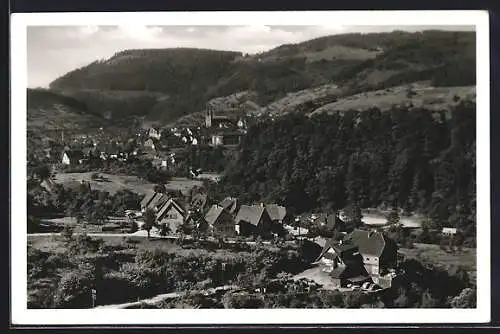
(249,167)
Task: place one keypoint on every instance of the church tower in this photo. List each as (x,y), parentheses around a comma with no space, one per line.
(208,116)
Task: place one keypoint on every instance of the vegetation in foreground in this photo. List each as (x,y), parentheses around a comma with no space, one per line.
(124,271)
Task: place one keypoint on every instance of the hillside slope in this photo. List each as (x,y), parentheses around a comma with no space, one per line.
(48,110)
(166,84)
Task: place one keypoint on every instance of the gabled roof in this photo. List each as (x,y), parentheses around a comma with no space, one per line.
(339,272)
(171,202)
(369,242)
(148,198)
(334,221)
(230,204)
(160,201)
(87,150)
(250,214)
(276,212)
(74,154)
(199,200)
(213,214)
(338,248)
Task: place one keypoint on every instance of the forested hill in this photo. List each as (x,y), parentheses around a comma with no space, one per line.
(164,84)
(419,160)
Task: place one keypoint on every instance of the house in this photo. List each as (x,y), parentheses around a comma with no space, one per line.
(220,221)
(344,263)
(72,157)
(449,231)
(362,254)
(335,223)
(149,144)
(87,151)
(279,216)
(171,214)
(199,201)
(230,204)
(231,138)
(217,140)
(378,251)
(151,200)
(253,220)
(154,133)
(212,121)
(196,221)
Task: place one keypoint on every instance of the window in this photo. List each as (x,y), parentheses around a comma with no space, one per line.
(172,215)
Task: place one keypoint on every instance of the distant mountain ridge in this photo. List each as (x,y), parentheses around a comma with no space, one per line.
(167,84)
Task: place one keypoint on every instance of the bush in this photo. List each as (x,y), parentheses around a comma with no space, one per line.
(133,227)
(466,299)
(242,300)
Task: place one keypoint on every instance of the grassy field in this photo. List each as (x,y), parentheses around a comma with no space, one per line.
(379,220)
(113,183)
(54,243)
(436,98)
(466,257)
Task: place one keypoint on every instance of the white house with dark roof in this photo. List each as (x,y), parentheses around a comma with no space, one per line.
(72,157)
(171,214)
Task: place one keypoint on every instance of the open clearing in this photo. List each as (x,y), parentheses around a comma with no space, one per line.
(113,183)
(435,98)
(374,220)
(465,258)
(54,242)
(317,275)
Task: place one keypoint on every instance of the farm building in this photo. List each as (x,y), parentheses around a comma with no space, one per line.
(72,157)
(220,221)
(253,220)
(171,214)
(363,254)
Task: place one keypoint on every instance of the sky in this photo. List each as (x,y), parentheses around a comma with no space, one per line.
(55,50)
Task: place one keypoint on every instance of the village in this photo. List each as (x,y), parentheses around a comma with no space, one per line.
(349,256)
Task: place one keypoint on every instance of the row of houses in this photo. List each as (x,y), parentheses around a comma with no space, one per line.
(78,156)
(227,218)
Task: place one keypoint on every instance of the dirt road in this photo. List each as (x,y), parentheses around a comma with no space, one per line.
(166,296)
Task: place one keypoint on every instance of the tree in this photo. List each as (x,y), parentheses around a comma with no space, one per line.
(402,300)
(67,232)
(74,289)
(165,229)
(160,188)
(354,215)
(466,299)
(43,172)
(393,217)
(428,301)
(149,220)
